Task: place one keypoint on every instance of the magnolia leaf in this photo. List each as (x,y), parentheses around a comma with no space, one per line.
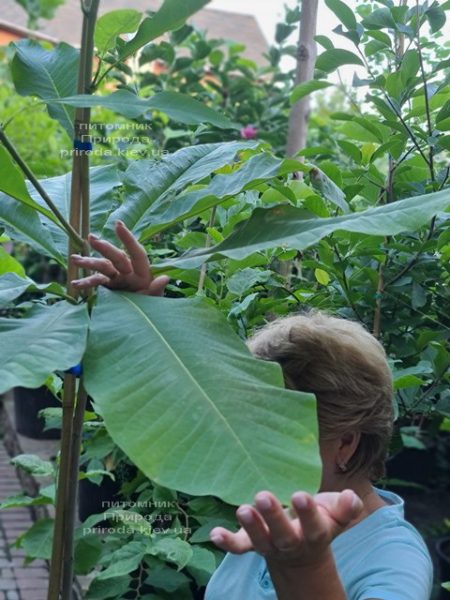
(87,552)
(229,435)
(343,12)
(37,541)
(110,25)
(328,189)
(13,184)
(13,285)
(179,107)
(10,266)
(436,17)
(124,560)
(47,74)
(380,18)
(330,60)
(30,463)
(287,227)
(172,15)
(130,520)
(23,224)
(172,550)
(254,171)
(103,182)
(23,500)
(47,339)
(305,89)
(150,185)
(322,276)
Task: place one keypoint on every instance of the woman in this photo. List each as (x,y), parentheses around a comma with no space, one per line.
(348,542)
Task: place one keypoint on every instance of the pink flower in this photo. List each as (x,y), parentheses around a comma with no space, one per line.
(249,132)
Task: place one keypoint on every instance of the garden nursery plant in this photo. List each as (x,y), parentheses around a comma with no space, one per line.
(357,223)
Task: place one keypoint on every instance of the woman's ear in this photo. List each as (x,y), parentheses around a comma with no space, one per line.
(348,444)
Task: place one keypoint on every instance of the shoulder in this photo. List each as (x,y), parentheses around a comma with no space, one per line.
(394,562)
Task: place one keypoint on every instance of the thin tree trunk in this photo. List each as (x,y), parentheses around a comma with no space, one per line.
(61,568)
(306,59)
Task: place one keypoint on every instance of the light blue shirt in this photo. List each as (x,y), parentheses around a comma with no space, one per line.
(383,557)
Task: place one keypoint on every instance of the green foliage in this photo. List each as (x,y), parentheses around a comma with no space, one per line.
(179,107)
(47,74)
(170,16)
(47,339)
(39,9)
(190,400)
(111,25)
(363,234)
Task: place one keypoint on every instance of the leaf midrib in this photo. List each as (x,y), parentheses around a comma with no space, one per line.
(203,392)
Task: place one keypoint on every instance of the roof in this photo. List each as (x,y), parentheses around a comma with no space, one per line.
(66,26)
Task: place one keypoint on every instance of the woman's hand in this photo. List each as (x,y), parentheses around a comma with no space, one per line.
(118,270)
(286,543)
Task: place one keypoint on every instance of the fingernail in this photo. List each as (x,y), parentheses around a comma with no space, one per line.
(120,222)
(217,538)
(264,502)
(75,282)
(245,515)
(75,255)
(93,237)
(300,501)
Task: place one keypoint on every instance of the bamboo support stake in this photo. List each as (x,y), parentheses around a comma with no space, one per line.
(61,572)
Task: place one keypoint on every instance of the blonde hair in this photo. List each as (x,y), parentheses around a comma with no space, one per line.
(340,362)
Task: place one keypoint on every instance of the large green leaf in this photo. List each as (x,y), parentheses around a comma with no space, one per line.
(47,74)
(179,107)
(103,182)
(172,15)
(48,339)
(343,12)
(13,184)
(12,286)
(150,183)
(289,227)
(330,60)
(252,172)
(23,224)
(305,89)
(112,24)
(184,399)
(37,541)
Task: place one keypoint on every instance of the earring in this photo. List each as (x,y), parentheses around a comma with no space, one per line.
(343,467)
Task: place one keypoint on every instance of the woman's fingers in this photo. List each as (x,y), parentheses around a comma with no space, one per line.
(256,528)
(158,285)
(137,253)
(237,543)
(347,506)
(118,257)
(315,528)
(282,532)
(91,281)
(102,265)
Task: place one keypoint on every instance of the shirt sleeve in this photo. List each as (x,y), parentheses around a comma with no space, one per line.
(400,572)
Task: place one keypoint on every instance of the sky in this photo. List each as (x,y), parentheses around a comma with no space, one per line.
(269,12)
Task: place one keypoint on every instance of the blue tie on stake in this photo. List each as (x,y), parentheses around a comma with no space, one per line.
(77,370)
(85,146)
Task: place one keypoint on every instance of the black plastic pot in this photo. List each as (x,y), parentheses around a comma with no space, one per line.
(414,465)
(27,404)
(94,499)
(443,554)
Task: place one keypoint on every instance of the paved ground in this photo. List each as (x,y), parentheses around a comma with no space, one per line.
(17,581)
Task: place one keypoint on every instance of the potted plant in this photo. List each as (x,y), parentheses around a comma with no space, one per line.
(237,209)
